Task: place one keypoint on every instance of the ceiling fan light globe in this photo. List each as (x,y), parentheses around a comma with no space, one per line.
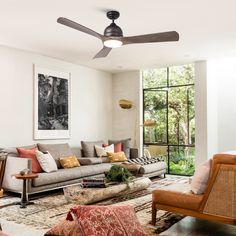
(113,43)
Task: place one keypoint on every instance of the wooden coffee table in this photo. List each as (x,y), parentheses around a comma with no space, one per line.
(24,195)
(83,196)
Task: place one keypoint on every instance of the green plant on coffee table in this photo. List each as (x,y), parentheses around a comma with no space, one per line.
(119,174)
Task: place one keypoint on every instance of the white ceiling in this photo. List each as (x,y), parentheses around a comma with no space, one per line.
(206,27)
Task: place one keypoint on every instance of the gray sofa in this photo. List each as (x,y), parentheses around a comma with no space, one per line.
(90,167)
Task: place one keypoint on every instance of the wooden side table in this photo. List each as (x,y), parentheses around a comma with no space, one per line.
(24,195)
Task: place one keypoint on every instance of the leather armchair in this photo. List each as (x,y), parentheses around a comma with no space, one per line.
(218,203)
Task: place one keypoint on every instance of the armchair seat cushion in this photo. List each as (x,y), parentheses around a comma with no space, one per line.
(177,199)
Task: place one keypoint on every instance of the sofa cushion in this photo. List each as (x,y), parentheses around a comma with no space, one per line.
(69,174)
(150,168)
(89,148)
(177,199)
(77,151)
(201,176)
(46,161)
(56,150)
(125,143)
(90,160)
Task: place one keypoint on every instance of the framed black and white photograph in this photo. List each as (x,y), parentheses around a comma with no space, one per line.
(51,104)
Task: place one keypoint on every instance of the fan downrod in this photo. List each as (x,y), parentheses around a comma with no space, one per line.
(113,15)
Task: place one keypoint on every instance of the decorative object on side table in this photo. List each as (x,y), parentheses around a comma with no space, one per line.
(3,159)
(24,195)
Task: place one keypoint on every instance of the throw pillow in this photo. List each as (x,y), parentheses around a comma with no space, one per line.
(125,143)
(117,156)
(102,151)
(89,149)
(107,220)
(201,176)
(118,147)
(69,162)
(46,161)
(56,150)
(65,227)
(30,153)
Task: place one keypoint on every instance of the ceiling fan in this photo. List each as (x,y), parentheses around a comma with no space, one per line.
(113,35)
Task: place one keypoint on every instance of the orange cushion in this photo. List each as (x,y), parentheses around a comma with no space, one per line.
(118,147)
(69,162)
(116,157)
(30,153)
(177,199)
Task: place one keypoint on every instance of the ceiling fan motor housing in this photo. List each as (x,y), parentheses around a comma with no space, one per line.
(113,30)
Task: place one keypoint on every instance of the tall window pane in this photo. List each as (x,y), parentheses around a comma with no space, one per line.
(154,78)
(168,99)
(180,75)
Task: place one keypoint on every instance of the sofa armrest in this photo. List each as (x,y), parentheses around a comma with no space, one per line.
(133,153)
(13,166)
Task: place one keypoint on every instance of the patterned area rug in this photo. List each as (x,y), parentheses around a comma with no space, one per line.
(51,208)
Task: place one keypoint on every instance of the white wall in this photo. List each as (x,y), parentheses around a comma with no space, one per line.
(91,99)
(201,112)
(223,73)
(215,86)
(126,85)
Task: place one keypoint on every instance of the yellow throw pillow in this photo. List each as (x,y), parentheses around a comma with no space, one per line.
(69,162)
(116,156)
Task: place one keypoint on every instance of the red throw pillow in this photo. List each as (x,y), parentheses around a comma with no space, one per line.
(107,220)
(65,227)
(118,147)
(30,153)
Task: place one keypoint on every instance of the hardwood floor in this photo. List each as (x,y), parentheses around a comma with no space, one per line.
(190,226)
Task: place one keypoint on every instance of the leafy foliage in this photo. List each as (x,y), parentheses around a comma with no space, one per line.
(118,173)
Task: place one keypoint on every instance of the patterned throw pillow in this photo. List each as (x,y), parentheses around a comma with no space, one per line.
(30,153)
(65,227)
(107,220)
(102,151)
(69,162)
(46,161)
(117,156)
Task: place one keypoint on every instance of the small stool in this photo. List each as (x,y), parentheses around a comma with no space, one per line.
(24,195)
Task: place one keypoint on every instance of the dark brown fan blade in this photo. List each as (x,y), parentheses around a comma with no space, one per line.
(103,52)
(74,25)
(152,38)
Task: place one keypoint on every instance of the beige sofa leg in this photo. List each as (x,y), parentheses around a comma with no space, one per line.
(154,214)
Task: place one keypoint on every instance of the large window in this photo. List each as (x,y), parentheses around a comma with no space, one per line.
(168,99)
